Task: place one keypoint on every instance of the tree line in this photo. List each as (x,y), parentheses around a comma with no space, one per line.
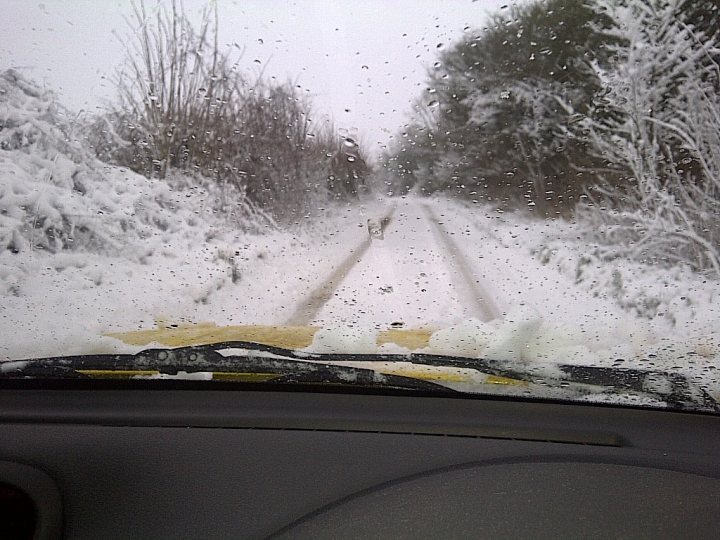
(604,109)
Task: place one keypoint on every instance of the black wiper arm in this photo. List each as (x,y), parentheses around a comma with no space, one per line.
(302,367)
(282,368)
(675,389)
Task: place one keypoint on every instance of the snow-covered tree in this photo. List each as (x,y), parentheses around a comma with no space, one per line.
(501,101)
(656,123)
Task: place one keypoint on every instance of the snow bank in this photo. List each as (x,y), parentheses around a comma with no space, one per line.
(56,196)
(614,313)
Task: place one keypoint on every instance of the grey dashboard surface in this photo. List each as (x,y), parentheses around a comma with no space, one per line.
(527,499)
(230,464)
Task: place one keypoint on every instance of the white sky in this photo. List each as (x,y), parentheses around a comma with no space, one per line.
(369,57)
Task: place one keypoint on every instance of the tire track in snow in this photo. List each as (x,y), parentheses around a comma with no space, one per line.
(311,305)
(468,286)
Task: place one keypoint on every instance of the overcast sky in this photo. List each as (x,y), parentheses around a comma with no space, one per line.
(363,62)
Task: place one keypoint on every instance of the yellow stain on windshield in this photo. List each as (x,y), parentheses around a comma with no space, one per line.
(494,379)
(287,337)
(294,338)
(426,375)
(410,338)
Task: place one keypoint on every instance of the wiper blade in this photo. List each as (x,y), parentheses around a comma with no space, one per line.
(285,366)
(675,389)
(280,368)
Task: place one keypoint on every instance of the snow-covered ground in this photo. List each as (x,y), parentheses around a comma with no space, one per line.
(87,249)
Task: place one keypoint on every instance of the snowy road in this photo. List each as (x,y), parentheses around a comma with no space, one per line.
(416,276)
(309,306)
(471,288)
(440,264)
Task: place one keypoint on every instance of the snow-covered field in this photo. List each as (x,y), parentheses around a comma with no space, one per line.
(87,249)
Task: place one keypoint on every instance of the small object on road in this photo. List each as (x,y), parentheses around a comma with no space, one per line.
(375,229)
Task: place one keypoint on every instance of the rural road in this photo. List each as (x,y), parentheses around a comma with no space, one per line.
(417,275)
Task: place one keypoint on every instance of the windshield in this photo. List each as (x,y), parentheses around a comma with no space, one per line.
(477,196)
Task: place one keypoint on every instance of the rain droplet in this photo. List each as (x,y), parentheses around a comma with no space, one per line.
(433,103)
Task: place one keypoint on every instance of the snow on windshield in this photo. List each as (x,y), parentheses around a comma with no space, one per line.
(536,182)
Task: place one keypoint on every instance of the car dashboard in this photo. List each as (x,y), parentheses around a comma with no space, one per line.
(131,459)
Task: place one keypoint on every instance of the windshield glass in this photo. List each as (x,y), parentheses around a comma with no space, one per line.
(476,196)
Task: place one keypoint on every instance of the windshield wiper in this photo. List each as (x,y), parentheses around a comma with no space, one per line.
(280,367)
(276,365)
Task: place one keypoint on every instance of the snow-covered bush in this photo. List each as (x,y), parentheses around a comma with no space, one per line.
(657,125)
(185,104)
(55,195)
